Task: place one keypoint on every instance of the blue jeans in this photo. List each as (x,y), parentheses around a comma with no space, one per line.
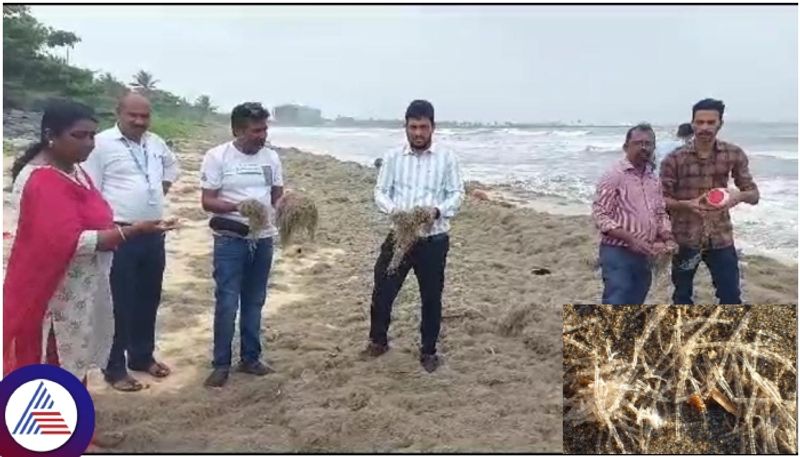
(626,276)
(723,265)
(241,272)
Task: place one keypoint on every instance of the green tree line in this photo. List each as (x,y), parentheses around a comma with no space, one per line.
(34,72)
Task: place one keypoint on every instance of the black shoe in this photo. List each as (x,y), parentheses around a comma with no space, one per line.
(430,362)
(217,378)
(256,368)
(375,350)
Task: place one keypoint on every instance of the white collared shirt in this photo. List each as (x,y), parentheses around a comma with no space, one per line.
(432,178)
(116,174)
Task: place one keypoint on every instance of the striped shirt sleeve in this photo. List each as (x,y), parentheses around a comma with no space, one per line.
(453,188)
(604,201)
(384,187)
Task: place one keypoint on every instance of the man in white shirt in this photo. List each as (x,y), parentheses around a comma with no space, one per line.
(420,174)
(134,169)
(242,170)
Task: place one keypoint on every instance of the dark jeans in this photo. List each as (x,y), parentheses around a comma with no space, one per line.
(428,258)
(724,267)
(626,276)
(137,273)
(241,272)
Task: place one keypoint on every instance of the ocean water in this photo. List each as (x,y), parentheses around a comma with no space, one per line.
(562,164)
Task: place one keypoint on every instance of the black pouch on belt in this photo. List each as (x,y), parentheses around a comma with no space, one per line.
(228,225)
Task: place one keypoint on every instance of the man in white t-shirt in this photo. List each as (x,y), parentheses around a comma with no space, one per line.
(242,170)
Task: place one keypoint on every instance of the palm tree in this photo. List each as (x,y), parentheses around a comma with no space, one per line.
(111,86)
(144,82)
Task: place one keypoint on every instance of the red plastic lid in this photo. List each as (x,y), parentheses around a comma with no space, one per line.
(716,196)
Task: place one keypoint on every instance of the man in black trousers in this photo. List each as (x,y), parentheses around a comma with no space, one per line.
(134,169)
(425,175)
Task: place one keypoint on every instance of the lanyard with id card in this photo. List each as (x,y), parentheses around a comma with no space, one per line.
(143,169)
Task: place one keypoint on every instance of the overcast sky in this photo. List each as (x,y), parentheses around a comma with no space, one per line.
(478,63)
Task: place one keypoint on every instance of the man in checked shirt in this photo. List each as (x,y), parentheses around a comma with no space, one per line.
(629,210)
(420,174)
(702,231)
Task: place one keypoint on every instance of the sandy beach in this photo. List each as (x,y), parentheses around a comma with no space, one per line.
(500,386)
(497,390)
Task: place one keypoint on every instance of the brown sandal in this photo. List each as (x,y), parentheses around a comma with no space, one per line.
(159,370)
(127,384)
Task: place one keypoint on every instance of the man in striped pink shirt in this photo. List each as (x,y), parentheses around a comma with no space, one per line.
(630,212)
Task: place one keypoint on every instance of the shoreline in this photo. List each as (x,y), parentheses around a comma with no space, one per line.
(510,193)
(574,240)
(557,206)
(505,191)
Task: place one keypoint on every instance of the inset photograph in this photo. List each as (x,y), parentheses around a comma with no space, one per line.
(714,379)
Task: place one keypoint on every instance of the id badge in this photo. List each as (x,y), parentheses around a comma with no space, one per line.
(153,197)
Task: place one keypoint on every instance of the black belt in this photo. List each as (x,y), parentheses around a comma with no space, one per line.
(431,238)
(122,224)
(437,237)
